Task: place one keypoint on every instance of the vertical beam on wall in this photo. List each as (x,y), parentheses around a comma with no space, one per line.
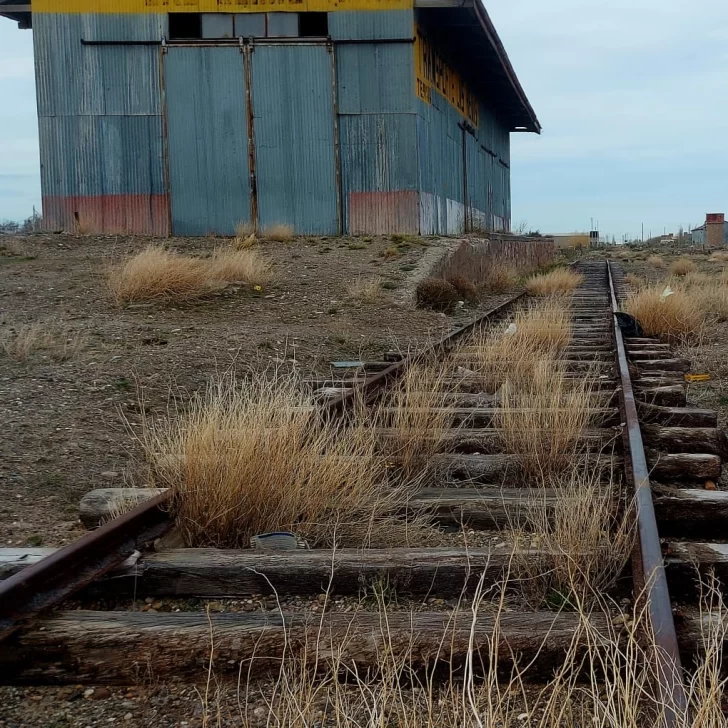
(165,144)
(466,206)
(247,51)
(337,151)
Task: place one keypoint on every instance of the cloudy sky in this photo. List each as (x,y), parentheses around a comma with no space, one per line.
(631,94)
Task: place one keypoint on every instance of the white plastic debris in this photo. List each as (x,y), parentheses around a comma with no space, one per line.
(511,330)
(666,294)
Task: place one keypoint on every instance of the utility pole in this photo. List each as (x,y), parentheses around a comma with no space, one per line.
(643,232)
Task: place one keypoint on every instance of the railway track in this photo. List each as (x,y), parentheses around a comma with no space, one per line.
(657,451)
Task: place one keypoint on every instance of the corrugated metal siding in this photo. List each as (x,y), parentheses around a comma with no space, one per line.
(207,139)
(375,78)
(100,123)
(377,125)
(441,167)
(74,79)
(379,159)
(295,145)
(371,25)
(440,147)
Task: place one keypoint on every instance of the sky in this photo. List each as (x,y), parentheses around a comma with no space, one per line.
(632,96)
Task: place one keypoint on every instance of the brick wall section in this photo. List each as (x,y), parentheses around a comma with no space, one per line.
(473,257)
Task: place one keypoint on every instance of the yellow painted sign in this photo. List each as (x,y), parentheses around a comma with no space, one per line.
(433,72)
(697,377)
(214,6)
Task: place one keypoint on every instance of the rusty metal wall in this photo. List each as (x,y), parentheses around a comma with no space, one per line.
(449,199)
(100,123)
(207,139)
(377,121)
(295,143)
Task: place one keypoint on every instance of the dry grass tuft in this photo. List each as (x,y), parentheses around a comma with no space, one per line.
(683,266)
(436,294)
(559,282)
(244,236)
(719,256)
(542,417)
(678,318)
(57,343)
(465,288)
(158,274)
(418,417)
(634,280)
(365,291)
(253,457)
(391,253)
(695,279)
(656,261)
(162,275)
(499,279)
(537,333)
(278,233)
(712,299)
(581,542)
(246,266)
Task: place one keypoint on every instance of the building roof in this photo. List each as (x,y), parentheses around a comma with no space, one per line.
(467,30)
(18,10)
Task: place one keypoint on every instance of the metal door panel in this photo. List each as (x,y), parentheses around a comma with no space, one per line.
(295,145)
(207,139)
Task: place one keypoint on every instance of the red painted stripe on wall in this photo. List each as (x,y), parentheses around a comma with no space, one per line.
(128,214)
(379,213)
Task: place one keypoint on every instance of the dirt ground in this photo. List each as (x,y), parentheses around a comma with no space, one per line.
(68,424)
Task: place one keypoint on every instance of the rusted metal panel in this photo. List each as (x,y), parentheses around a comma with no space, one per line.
(207,139)
(379,172)
(103,173)
(295,155)
(371,24)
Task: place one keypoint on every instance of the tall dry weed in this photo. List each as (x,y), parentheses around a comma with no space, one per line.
(558,282)
(542,417)
(158,274)
(253,457)
(683,266)
(246,266)
(58,343)
(417,415)
(538,332)
(678,318)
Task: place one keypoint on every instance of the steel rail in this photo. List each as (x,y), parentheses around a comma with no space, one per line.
(56,577)
(48,582)
(654,582)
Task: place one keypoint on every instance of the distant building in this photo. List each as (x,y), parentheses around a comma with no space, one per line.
(188,117)
(713,232)
(576,240)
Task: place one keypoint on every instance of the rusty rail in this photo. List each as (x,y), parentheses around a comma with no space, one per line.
(58,576)
(48,582)
(653,580)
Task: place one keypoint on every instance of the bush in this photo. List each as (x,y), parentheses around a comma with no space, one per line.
(677,318)
(499,279)
(253,457)
(157,274)
(365,291)
(558,282)
(278,233)
(437,294)
(683,266)
(656,261)
(239,265)
(466,290)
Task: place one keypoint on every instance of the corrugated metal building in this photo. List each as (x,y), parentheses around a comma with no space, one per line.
(187,117)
